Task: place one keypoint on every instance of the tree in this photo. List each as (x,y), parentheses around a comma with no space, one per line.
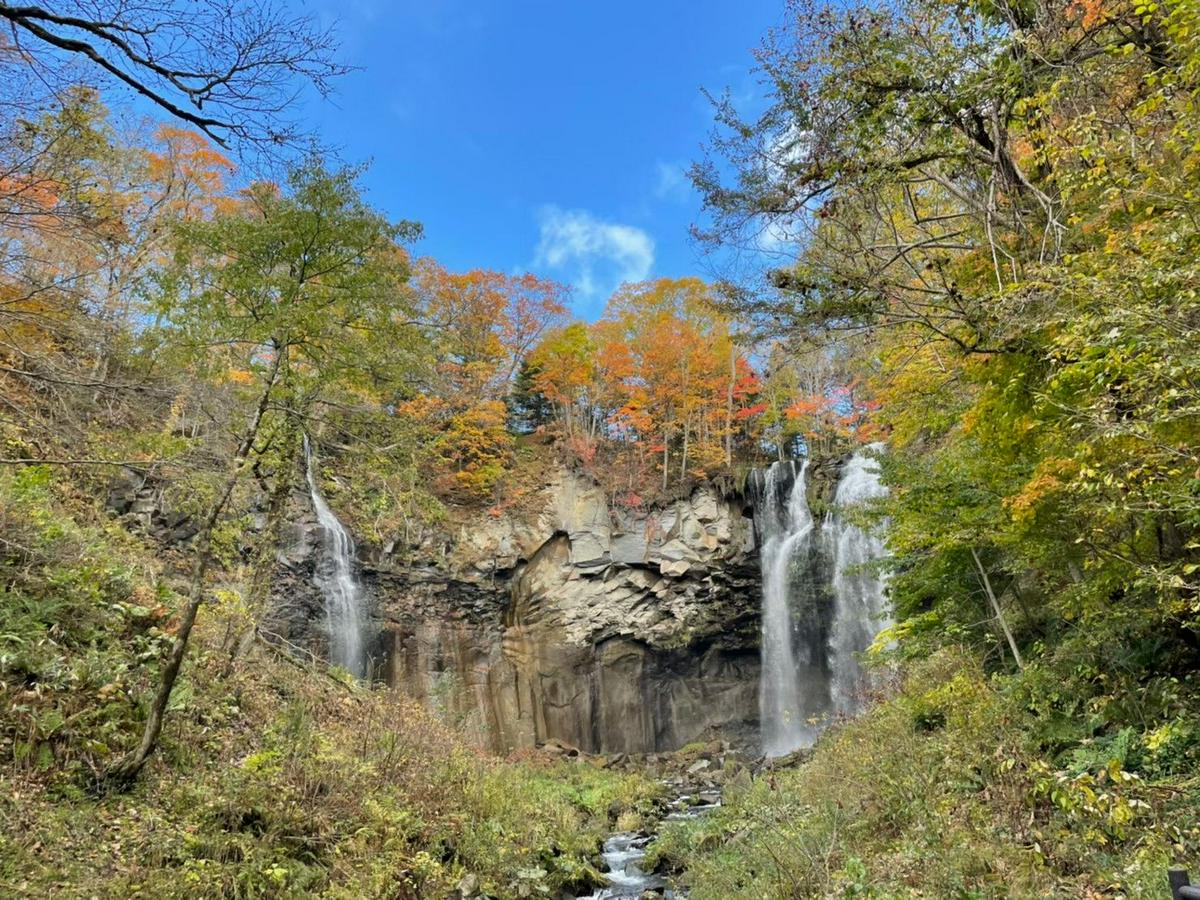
(565,364)
(666,351)
(660,373)
(489,322)
(528,408)
(994,224)
(298,290)
(86,214)
(484,326)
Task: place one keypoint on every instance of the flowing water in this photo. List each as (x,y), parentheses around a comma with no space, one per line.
(785,527)
(624,851)
(822,605)
(860,608)
(335,577)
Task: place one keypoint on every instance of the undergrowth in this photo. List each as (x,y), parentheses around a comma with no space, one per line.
(948,790)
(274,779)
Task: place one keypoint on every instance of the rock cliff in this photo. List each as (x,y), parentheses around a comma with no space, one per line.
(566,619)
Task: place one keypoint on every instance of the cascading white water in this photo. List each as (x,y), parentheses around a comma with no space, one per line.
(822,605)
(860,608)
(784,530)
(336,579)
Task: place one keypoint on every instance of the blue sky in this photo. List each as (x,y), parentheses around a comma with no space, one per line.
(542,136)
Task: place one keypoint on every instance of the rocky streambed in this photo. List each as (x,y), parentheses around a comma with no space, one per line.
(694,781)
(625,851)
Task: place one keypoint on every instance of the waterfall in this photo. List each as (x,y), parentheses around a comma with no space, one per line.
(821,604)
(860,608)
(336,579)
(785,527)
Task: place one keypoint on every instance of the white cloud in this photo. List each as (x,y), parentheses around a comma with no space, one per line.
(594,256)
(671,182)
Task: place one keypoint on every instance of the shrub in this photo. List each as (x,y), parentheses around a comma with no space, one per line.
(944,791)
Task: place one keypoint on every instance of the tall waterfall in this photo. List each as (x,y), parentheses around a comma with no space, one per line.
(337,581)
(860,608)
(785,527)
(821,606)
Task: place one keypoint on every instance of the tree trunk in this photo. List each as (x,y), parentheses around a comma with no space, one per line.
(127,769)
(687,431)
(729,406)
(263,575)
(987,586)
(666,444)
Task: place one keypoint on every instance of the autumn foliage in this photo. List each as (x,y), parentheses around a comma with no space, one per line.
(662,390)
(663,382)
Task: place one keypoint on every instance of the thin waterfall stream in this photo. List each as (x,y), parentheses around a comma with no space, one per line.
(337,580)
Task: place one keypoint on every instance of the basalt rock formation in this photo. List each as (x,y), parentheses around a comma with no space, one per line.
(140,500)
(567,619)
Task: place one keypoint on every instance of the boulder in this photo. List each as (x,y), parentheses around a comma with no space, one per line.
(468,885)
(674,569)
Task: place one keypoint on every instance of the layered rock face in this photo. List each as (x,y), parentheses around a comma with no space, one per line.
(568,619)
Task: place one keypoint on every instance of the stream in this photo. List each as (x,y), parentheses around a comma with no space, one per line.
(624,851)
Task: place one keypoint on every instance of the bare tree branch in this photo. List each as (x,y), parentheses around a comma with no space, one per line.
(230,68)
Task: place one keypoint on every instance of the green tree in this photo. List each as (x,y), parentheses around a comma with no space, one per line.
(292,294)
(528,408)
(994,200)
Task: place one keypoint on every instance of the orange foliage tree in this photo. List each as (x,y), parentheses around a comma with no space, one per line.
(483,326)
(659,374)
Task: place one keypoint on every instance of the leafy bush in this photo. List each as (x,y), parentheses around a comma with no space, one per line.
(945,791)
(271,781)
(80,632)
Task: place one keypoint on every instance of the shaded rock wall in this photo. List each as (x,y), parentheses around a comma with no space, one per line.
(140,500)
(565,618)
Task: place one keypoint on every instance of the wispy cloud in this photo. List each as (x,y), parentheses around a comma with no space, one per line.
(594,256)
(671,181)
